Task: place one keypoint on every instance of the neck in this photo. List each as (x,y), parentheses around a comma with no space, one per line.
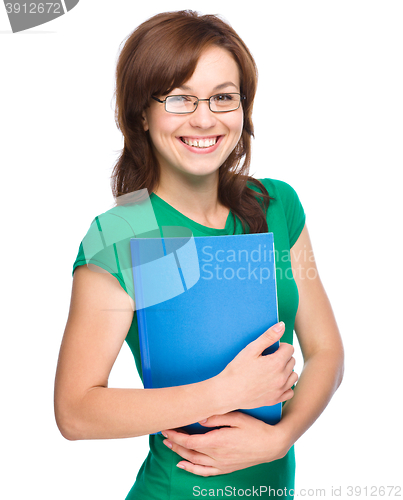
(196,198)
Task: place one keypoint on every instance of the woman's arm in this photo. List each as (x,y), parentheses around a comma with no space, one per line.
(320,342)
(85,408)
(248,441)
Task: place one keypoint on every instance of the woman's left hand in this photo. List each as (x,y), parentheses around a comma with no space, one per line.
(246,442)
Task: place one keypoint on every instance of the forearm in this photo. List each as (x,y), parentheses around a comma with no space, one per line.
(109,413)
(320,378)
(99,412)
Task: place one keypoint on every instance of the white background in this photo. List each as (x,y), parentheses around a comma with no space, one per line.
(328,120)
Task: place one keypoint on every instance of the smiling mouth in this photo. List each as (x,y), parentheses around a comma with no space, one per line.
(200,143)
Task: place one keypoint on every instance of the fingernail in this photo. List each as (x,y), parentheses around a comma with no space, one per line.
(180,466)
(163,433)
(167,443)
(203,421)
(278,328)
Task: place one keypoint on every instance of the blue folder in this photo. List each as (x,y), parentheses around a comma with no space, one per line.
(199,301)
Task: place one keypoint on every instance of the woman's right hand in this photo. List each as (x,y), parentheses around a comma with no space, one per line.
(252,380)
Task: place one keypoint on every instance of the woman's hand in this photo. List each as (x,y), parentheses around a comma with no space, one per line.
(246,442)
(252,380)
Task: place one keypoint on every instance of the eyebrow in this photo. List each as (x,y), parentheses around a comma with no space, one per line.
(218,87)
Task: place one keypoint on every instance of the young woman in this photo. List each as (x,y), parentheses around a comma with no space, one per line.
(184,94)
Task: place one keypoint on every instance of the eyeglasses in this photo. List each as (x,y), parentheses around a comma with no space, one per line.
(218,103)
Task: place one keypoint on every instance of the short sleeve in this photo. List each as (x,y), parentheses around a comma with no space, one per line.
(94,249)
(107,242)
(290,205)
(293,209)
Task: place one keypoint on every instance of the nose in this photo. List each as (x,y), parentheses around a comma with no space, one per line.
(203,117)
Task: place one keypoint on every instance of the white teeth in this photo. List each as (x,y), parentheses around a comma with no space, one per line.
(200,143)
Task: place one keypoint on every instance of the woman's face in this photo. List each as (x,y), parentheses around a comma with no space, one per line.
(173,134)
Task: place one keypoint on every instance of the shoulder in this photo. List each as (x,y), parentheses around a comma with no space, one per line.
(285,203)
(277,189)
(133,215)
(281,188)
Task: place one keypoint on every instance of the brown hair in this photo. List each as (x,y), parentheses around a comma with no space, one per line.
(158,56)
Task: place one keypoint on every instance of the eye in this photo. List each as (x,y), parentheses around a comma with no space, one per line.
(179,99)
(223,97)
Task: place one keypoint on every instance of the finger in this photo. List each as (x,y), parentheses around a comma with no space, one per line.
(292,379)
(191,455)
(288,392)
(285,350)
(199,470)
(181,430)
(189,441)
(289,367)
(287,395)
(267,339)
(228,419)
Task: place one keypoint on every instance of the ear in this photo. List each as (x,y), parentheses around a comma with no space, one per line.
(145,121)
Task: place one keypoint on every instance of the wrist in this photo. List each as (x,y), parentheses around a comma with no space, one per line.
(286,436)
(281,444)
(221,396)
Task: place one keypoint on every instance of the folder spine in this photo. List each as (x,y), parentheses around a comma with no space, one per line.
(141,320)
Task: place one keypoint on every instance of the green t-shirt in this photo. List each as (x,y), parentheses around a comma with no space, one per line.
(158,477)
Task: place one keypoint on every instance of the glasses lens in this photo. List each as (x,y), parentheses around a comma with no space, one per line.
(225,102)
(180,103)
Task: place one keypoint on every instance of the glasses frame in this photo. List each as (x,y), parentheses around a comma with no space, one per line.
(242,98)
